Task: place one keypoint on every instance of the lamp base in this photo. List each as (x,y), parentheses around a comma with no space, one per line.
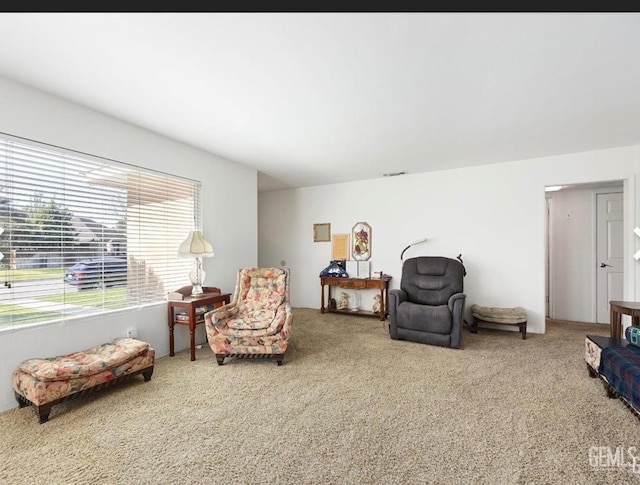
(197,278)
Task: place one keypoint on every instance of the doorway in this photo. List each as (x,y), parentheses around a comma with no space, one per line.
(584,251)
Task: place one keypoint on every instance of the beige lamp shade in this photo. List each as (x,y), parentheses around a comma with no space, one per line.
(195,246)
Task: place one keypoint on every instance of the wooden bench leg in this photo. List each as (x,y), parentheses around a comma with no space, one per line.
(523,329)
(44,411)
(611,392)
(147,374)
(474,325)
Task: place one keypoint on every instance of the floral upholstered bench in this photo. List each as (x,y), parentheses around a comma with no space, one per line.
(45,382)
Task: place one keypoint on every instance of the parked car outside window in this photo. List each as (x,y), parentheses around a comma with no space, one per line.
(97,273)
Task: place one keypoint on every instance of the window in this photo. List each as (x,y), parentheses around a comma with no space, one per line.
(81,235)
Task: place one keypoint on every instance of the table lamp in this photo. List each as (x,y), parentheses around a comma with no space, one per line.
(196,246)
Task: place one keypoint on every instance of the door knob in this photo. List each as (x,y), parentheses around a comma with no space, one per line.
(602,265)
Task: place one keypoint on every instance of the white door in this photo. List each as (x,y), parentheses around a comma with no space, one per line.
(610,276)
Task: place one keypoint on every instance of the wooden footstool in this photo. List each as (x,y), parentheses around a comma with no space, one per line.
(503,316)
(43,383)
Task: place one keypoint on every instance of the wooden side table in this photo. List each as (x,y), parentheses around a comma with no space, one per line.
(619,308)
(211,296)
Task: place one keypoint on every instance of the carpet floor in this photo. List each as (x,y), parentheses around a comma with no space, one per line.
(349,406)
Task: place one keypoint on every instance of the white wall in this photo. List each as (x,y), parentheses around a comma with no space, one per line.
(494,215)
(229,200)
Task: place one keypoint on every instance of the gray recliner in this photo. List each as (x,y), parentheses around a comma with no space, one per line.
(429,306)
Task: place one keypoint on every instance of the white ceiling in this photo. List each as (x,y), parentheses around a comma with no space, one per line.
(316,98)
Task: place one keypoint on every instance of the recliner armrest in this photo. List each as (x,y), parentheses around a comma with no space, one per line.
(456,306)
(456,300)
(396,297)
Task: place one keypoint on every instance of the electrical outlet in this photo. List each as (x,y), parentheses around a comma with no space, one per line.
(132,333)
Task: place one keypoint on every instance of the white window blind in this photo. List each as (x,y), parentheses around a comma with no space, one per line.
(82,235)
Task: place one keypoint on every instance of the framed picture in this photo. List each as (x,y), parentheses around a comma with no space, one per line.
(361,241)
(322,232)
(340,249)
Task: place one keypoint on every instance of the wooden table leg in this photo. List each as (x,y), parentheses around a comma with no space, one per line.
(383,302)
(172,324)
(192,331)
(321,298)
(616,323)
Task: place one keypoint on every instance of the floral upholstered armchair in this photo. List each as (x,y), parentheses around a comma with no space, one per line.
(257,321)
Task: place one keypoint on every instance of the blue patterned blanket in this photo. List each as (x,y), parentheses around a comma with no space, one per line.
(621,367)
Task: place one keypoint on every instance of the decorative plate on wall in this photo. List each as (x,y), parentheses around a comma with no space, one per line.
(361,241)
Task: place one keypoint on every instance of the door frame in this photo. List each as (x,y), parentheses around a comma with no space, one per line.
(629,280)
(550,270)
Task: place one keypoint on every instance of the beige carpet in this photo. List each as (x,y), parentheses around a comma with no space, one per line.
(349,406)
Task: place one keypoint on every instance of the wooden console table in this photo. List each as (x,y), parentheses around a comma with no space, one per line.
(191,317)
(356,284)
(619,308)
